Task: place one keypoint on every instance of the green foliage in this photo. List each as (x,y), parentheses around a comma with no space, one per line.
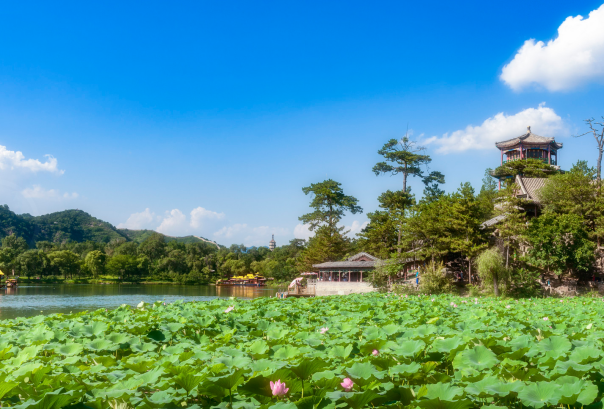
(492,271)
(402,157)
(530,168)
(431,352)
(559,243)
(330,204)
(525,283)
(434,279)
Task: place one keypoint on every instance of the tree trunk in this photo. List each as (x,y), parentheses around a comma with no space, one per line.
(599,162)
(495,286)
(469,270)
(400,227)
(405,181)
(507,256)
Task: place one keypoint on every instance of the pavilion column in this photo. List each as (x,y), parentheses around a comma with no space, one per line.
(549,155)
(339,275)
(361,276)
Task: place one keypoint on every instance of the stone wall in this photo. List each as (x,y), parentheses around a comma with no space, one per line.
(342,288)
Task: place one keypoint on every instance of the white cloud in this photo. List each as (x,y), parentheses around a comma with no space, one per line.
(138,221)
(174,223)
(574,58)
(38,192)
(250,236)
(228,232)
(356,228)
(302,231)
(542,120)
(16,160)
(200,217)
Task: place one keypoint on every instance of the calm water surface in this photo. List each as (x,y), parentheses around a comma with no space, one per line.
(29,300)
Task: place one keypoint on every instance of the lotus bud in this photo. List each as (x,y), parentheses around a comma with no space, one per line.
(324,330)
(278,388)
(347,384)
(375,352)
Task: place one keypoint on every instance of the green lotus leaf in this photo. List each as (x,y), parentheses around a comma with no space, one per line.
(258,347)
(412,368)
(286,352)
(101,345)
(283,405)
(277,333)
(69,349)
(478,358)
(6,387)
(95,329)
(308,367)
(118,338)
(539,394)
(340,351)
(157,335)
(443,391)
(359,400)
(409,348)
(188,381)
(585,354)
(555,346)
(440,404)
(233,362)
(230,380)
(446,345)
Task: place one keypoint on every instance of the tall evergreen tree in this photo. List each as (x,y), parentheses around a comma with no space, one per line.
(330,204)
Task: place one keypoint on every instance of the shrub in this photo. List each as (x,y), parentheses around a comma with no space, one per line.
(434,279)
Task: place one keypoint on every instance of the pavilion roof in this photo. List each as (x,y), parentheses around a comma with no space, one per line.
(351,262)
(529,187)
(528,139)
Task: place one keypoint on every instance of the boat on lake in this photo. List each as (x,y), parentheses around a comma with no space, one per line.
(249,280)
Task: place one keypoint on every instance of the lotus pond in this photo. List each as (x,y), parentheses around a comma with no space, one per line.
(355,351)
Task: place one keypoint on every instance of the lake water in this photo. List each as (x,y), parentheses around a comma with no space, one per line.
(29,300)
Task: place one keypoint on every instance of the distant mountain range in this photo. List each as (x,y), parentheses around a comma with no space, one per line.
(72,225)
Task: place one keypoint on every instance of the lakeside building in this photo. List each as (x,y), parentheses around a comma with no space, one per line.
(528,146)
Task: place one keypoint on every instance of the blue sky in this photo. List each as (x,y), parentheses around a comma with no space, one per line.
(208,118)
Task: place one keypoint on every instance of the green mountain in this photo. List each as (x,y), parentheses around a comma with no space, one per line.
(71,225)
(139,236)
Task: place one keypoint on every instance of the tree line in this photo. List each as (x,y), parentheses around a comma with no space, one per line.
(153,259)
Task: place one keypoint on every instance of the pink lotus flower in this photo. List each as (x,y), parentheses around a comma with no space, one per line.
(508,306)
(375,352)
(231,308)
(324,330)
(545,319)
(278,388)
(347,384)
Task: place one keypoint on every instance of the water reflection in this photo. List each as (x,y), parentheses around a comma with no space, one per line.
(25,300)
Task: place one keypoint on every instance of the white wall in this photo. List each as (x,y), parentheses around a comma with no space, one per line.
(342,288)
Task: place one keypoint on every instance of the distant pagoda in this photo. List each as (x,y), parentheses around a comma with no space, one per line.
(272,244)
(529,146)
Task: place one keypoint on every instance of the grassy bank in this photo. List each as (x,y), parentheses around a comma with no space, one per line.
(388,351)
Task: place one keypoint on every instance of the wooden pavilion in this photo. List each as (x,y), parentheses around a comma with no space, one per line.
(354,269)
(529,146)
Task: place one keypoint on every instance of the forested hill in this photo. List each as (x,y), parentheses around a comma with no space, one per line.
(139,236)
(69,225)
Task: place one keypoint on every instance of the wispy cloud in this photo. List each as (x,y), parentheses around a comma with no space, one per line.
(38,192)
